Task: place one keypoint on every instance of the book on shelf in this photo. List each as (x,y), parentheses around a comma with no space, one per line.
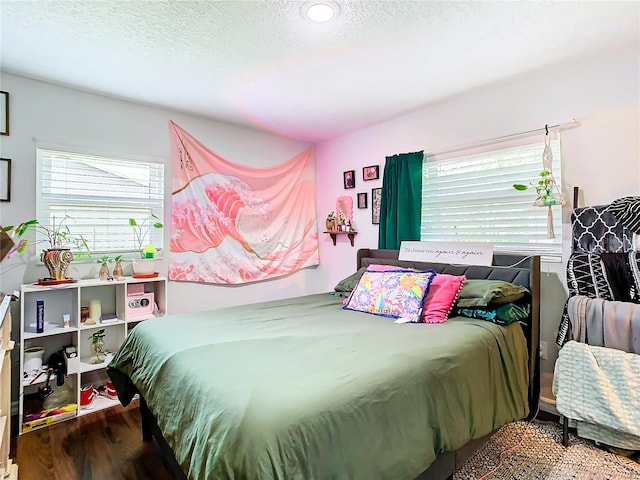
(108,319)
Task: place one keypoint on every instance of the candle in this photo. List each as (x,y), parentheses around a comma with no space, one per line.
(95,310)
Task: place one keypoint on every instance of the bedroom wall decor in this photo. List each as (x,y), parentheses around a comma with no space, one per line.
(349,179)
(5,179)
(376,195)
(4,113)
(371,173)
(344,213)
(362,200)
(232,224)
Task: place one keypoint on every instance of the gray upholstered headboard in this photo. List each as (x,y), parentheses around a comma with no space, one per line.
(518,269)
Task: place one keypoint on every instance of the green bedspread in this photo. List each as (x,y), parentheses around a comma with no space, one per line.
(301,389)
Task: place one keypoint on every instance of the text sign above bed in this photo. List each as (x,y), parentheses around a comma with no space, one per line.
(457,253)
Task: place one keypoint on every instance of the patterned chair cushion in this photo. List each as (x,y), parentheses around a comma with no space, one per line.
(596,230)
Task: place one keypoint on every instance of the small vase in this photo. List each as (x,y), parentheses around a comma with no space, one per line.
(97,350)
(117,270)
(331,225)
(103,274)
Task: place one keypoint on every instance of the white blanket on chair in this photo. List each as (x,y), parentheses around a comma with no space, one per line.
(605,323)
(600,389)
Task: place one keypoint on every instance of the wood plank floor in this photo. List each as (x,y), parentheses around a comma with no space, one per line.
(106,445)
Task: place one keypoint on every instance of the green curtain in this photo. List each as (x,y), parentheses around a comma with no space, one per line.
(401,200)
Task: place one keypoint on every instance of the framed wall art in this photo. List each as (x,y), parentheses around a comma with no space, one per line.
(349,178)
(4,113)
(5,179)
(362,200)
(376,196)
(371,173)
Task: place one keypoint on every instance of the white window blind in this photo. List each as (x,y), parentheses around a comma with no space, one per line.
(99,195)
(471,198)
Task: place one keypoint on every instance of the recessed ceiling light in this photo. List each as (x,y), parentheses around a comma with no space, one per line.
(320,12)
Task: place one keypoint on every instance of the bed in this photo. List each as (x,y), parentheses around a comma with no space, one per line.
(303,389)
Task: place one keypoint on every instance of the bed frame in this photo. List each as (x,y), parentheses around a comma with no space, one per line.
(521,270)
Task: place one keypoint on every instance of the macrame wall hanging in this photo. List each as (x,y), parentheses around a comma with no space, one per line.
(548,191)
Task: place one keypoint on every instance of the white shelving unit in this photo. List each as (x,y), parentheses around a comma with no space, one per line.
(8,469)
(68,298)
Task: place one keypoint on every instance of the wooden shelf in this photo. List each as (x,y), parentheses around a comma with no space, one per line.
(334,235)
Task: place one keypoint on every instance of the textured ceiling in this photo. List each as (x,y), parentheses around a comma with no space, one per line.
(260,63)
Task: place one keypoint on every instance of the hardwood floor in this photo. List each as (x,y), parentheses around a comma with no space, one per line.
(106,445)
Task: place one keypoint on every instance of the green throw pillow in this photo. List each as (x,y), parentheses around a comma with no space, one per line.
(346,285)
(480,293)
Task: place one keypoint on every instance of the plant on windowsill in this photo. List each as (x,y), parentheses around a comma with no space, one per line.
(146,264)
(103,274)
(60,240)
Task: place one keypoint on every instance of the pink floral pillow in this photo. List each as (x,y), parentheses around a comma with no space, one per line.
(393,293)
(443,292)
(383,268)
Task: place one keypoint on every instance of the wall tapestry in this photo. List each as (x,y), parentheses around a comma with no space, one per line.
(233,224)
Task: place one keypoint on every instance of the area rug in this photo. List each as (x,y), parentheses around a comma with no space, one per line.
(541,456)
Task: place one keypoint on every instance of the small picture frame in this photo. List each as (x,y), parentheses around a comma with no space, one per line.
(362,200)
(349,179)
(371,173)
(5,179)
(4,113)
(376,196)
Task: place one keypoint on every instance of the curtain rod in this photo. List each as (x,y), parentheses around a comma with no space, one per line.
(570,123)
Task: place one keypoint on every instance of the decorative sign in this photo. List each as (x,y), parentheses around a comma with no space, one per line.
(457,253)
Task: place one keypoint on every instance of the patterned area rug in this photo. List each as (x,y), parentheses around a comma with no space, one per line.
(541,456)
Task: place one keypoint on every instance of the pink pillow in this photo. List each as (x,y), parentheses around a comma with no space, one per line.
(386,268)
(442,295)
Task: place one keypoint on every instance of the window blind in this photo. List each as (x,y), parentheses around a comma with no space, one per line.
(471,198)
(98,195)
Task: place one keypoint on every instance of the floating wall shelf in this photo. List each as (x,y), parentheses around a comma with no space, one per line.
(335,233)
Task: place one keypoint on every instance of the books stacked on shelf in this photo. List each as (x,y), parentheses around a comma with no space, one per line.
(108,319)
(46,417)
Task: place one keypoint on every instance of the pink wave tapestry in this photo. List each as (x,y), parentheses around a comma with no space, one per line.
(233,224)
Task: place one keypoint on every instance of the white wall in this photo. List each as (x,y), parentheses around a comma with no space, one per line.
(42,112)
(601,156)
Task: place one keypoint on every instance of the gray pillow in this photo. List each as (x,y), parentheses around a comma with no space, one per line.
(480,293)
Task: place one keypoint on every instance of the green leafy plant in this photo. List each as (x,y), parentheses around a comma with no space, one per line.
(544,188)
(140,232)
(97,335)
(58,236)
(105,259)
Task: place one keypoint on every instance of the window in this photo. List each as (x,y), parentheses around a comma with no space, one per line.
(100,194)
(471,198)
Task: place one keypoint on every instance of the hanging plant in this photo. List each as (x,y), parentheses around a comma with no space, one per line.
(546,189)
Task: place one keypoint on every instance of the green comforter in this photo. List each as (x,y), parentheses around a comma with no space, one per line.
(301,389)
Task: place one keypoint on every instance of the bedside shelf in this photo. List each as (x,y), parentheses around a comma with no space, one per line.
(334,235)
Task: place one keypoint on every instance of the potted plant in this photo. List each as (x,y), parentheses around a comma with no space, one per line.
(59,240)
(97,346)
(146,264)
(331,222)
(546,190)
(103,274)
(117,268)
